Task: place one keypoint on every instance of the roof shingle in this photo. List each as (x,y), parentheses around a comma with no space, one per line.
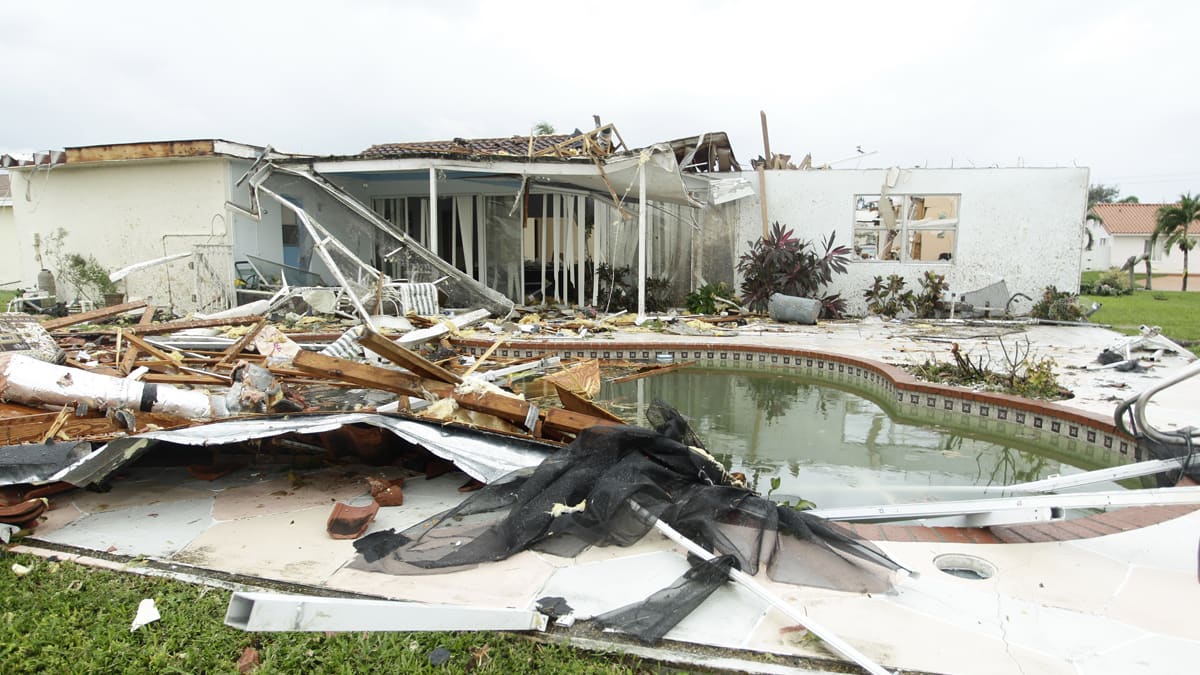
(1133,219)
(512,145)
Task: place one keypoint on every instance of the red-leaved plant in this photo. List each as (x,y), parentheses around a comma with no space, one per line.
(782,263)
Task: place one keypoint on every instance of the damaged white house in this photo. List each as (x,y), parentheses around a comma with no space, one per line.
(499,221)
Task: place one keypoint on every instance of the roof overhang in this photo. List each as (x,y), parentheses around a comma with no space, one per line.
(665,182)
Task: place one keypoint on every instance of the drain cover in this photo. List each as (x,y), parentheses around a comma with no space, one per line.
(965,566)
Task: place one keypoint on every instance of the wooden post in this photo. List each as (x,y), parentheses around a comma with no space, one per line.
(762,174)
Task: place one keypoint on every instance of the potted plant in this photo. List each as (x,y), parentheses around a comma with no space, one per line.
(90,279)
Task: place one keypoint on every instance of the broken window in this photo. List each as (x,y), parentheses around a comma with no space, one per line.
(905,228)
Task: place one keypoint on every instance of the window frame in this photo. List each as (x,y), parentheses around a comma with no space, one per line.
(907,227)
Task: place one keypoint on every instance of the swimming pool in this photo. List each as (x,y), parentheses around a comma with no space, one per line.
(804,438)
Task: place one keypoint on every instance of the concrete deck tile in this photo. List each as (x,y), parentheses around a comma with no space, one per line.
(600,586)
(515,582)
(1160,602)
(128,494)
(728,618)
(290,546)
(281,494)
(63,514)
(155,530)
(1145,656)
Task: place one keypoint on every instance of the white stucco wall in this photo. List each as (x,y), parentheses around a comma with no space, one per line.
(1166,262)
(1100,257)
(1020,225)
(10,259)
(123,213)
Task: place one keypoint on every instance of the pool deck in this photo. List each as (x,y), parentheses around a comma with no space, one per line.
(1105,603)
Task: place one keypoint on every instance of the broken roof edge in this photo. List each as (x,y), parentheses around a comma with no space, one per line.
(620,169)
(139,151)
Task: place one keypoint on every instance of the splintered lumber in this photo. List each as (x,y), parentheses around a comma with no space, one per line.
(131,354)
(652,370)
(173,326)
(236,348)
(154,351)
(486,355)
(576,403)
(582,379)
(406,358)
(94,315)
(383,379)
(507,408)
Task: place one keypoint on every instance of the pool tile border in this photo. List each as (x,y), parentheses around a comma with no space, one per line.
(1087,436)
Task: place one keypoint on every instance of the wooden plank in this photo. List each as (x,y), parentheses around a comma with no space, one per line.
(653,370)
(157,353)
(513,410)
(312,363)
(172,326)
(57,424)
(132,353)
(406,358)
(183,378)
(576,403)
(568,421)
(156,150)
(94,315)
(486,355)
(99,370)
(236,348)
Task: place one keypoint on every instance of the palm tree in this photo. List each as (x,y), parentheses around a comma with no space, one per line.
(1172,225)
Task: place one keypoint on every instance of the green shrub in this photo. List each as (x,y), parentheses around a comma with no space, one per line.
(889,297)
(704,299)
(1057,305)
(1110,282)
(928,303)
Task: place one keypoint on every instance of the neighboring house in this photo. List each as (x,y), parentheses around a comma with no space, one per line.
(10,278)
(975,226)
(1125,231)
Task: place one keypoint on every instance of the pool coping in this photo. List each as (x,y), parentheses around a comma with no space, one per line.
(1081,431)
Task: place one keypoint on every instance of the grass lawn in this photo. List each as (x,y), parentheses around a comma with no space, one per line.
(1178,313)
(68,618)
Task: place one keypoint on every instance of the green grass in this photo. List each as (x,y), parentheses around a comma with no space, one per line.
(1176,312)
(64,617)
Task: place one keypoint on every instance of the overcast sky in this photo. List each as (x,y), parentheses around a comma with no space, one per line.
(1107,85)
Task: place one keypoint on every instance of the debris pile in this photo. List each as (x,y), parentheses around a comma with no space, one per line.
(84,394)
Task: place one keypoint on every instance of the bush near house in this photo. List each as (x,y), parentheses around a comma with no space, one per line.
(1056,305)
(783,263)
(1107,283)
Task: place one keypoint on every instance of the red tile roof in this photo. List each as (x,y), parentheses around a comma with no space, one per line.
(513,145)
(1133,218)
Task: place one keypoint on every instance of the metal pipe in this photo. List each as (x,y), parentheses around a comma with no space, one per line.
(748,582)
(642,241)
(272,612)
(1139,408)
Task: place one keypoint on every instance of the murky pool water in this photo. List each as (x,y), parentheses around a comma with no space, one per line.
(828,445)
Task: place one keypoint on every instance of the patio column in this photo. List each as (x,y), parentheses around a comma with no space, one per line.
(433,211)
(642,242)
